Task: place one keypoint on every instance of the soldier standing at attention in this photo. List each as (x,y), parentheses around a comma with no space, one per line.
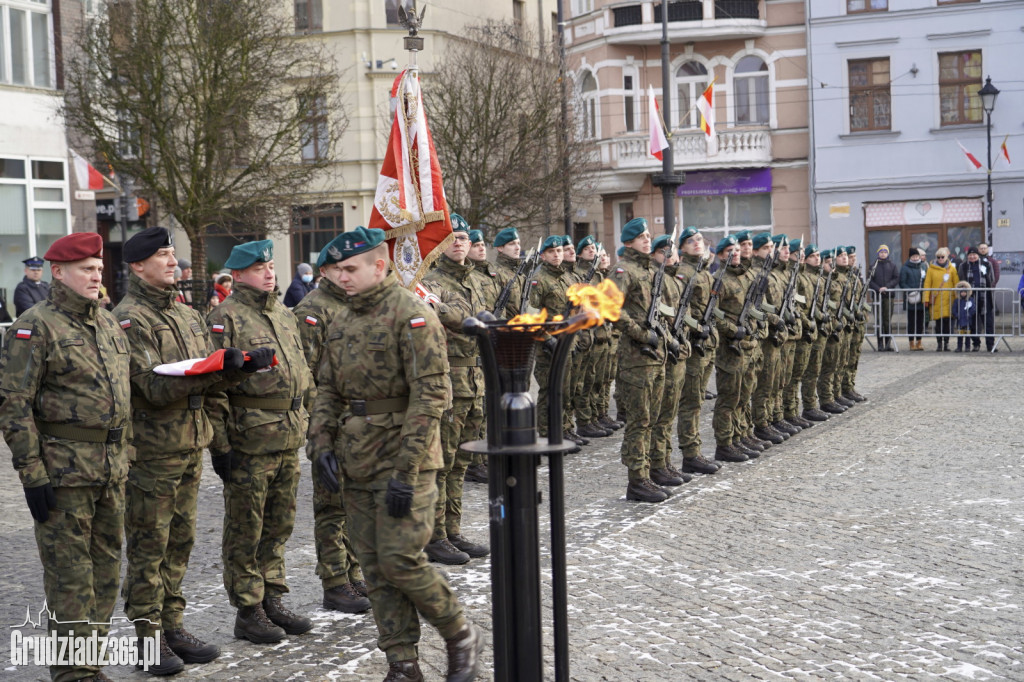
(475,431)
(477,257)
(587,407)
(465,294)
(173,429)
(849,377)
(383,389)
(791,326)
(509,249)
(802,330)
(609,357)
(31,289)
(763,397)
(816,336)
(830,333)
(336,564)
(641,374)
(66,415)
(255,446)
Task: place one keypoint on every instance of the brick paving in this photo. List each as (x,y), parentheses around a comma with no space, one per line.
(884,544)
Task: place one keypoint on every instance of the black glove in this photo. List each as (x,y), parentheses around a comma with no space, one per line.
(258,359)
(549,348)
(658,330)
(703,333)
(860,317)
(652,338)
(233,358)
(673,346)
(780,328)
(41,500)
(327,471)
(222,465)
(398,498)
(740,334)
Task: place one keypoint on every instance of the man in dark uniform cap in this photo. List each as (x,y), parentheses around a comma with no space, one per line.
(31,289)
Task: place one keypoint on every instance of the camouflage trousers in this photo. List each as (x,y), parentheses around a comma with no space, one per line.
(763,397)
(160,529)
(80,549)
(458,425)
(791,391)
(541,371)
(259,515)
(691,397)
(401,584)
(639,393)
(607,371)
(596,388)
(335,560)
(752,363)
(849,377)
(668,414)
(585,380)
(809,380)
(829,366)
(729,384)
(786,362)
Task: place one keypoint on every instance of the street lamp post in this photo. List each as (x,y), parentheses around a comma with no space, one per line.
(988,94)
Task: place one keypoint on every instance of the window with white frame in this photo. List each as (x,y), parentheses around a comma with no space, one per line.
(588,96)
(26,43)
(691,81)
(750,88)
(582,7)
(629,101)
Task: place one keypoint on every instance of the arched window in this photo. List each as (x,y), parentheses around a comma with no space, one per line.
(750,86)
(588,94)
(691,81)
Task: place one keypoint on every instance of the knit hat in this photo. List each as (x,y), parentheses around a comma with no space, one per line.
(882,248)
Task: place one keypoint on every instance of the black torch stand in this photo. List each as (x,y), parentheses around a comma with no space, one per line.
(514,449)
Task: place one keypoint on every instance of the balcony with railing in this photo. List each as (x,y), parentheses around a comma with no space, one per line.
(688,20)
(736,147)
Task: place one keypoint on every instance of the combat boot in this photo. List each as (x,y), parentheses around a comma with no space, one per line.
(815,415)
(404,671)
(700,465)
(800,421)
(786,427)
(766,433)
(444,552)
(845,402)
(609,423)
(575,438)
(475,551)
(593,431)
(854,396)
(291,623)
(476,473)
(251,623)
(190,648)
(644,490)
(464,651)
(708,395)
(728,453)
(833,408)
(677,473)
(750,452)
(346,599)
(360,587)
(785,434)
(753,444)
(662,476)
(170,663)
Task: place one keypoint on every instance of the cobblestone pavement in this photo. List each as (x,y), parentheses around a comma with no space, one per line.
(884,544)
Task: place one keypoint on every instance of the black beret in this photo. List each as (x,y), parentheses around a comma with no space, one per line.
(146,243)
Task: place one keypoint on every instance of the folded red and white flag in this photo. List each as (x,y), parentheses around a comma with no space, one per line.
(196,366)
(972,161)
(88,177)
(657,141)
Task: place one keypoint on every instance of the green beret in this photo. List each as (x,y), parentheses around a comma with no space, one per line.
(459,223)
(360,240)
(244,255)
(841,250)
(779,238)
(825,255)
(687,233)
(566,240)
(810,250)
(795,244)
(725,243)
(551,242)
(742,236)
(330,253)
(661,241)
(622,250)
(475,236)
(851,250)
(762,239)
(633,229)
(585,242)
(509,234)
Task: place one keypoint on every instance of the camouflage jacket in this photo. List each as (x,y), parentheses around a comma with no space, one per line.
(672,292)
(250,318)
(506,269)
(493,285)
(832,296)
(634,277)
(701,292)
(547,290)
(465,286)
(602,333)
(161,331)
(65,361)
(386,343)
(314,313)
(808,281)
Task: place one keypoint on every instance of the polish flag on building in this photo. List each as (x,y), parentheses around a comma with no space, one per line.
(658,139)
(196,366)
(1004,151)
(410,205)
(87,176)
(706,107)
(972,161)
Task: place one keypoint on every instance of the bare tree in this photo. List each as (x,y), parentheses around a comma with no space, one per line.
(495,116)
(215,108)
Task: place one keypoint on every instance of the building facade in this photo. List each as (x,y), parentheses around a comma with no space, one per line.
(894,96)
(755,53)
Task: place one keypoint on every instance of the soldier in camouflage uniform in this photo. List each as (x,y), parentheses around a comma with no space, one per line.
(788,269)
(171,431)
(336,564)
(255,446)
(66,415)
(814,276)
(763,398)
(507,260)
(849,375)
(588,407)
(753,358)
(640,382)
(607,361)
(384,388)
(469,291)
(801,344)
(477,429)
(582,342)
(691,397)
(832,329)
(845,320)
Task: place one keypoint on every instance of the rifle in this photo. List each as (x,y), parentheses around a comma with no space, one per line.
(593,268)
(524,264)
(752,303)
(864,291)
(705,320)
(843,313)
(814,315)
(682,311)
(787,312)
(653,321)
(524,301)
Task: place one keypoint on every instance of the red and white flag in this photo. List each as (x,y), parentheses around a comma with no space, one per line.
(972,161)
(410,204)
(87,176)
(195,366)
(706,107)
(1004,151)
(658,139)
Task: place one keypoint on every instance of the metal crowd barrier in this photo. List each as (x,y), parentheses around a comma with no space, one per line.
(994,315)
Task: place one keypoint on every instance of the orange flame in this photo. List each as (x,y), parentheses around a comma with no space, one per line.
(599,304)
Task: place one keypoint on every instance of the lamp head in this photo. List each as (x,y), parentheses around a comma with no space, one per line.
(988,94)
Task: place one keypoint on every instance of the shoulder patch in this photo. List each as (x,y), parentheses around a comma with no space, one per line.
(534,283)
(492,274)
(311,320)
(125,324)
(217,329)
(680,276)
(619,270)
(417,322)
(23,334)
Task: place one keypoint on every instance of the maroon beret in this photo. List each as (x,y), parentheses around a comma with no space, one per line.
(75,247)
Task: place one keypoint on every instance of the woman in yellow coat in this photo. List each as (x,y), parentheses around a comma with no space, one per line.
(941,275)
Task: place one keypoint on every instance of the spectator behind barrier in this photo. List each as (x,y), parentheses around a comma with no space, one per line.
(887,276)
(941,275)
(301,285)
(964,315)
(911,278)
